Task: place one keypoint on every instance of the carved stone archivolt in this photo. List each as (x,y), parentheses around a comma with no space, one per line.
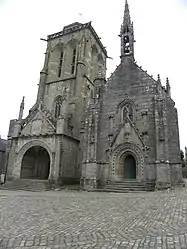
(29,145)
(118,156)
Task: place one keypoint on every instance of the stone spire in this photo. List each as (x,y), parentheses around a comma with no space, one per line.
(126,17)
(21,109)
(127,34)
(168,87)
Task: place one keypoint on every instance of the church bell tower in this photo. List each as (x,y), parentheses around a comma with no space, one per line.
(127,34)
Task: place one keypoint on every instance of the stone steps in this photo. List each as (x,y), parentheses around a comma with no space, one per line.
(27,184)
(120,190)
(128,186)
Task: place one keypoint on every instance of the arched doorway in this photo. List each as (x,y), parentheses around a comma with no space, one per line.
(129,167)
(35,164)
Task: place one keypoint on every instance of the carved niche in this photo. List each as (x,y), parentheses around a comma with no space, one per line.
(127,109)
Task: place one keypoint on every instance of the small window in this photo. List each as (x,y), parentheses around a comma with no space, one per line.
(73,62)
(60,64)
(58,105)
(126,44)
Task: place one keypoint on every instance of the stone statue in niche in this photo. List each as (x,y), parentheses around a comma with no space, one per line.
(127,113)
(58,106)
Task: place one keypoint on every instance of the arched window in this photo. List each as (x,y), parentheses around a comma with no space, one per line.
(126,39)
(72,54)
(94,62)
(58,106)
(60,64)
(128,112)
(73,61)
(126,44)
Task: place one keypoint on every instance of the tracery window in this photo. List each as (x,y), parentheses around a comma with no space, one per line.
(58,106)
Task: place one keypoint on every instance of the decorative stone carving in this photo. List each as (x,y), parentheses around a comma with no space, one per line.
(135,151)
(127,108)
(83,123)
(100,72)
(70,122)
(144,113)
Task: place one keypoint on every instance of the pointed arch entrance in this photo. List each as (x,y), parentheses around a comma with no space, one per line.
(35,164)
(127,162)
(129,167)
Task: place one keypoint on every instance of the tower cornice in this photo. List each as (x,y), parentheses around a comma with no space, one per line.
(74,27)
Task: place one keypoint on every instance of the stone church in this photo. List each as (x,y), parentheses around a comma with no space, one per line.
(84,128)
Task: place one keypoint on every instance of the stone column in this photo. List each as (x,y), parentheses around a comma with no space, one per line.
(90,167)
(163,170)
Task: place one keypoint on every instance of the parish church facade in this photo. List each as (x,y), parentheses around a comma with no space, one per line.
(84,128)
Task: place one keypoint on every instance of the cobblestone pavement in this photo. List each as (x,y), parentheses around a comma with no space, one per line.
(93,220)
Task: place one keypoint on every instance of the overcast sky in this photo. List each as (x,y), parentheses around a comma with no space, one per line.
(160,33)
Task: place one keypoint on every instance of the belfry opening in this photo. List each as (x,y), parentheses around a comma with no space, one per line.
(35,164)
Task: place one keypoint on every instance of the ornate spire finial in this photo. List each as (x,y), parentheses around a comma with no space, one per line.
(126,18)
(126,6)
(23,101)
(158,78)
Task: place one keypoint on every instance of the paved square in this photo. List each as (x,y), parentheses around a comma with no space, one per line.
(93,220)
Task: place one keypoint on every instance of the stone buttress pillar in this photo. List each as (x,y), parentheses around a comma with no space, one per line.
(163,171)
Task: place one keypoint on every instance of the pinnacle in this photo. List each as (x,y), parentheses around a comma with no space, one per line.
(126,6)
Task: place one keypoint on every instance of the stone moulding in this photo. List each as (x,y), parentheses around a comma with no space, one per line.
(118,155)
